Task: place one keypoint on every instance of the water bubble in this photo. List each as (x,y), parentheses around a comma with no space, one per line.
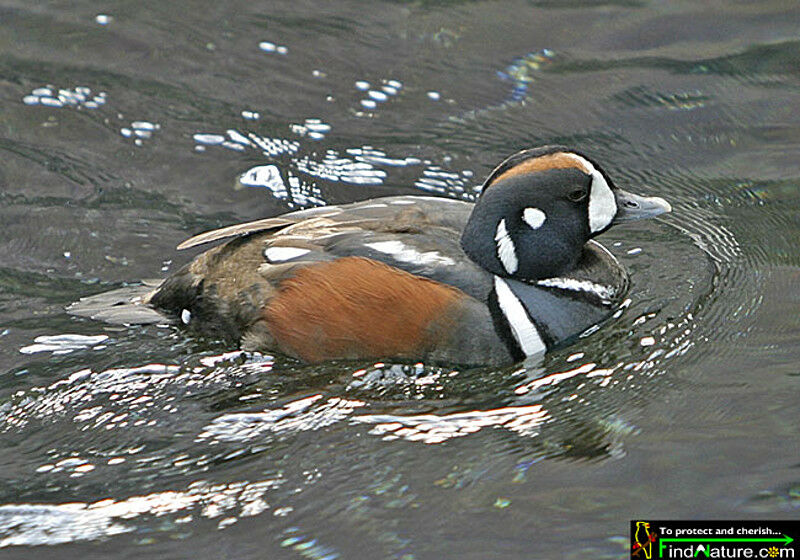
(62,343)
(269,47)
(51,102)
(209,139)
(144,125)
(378,95)
(317,125)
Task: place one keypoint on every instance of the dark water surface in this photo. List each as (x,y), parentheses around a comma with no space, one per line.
(142,442)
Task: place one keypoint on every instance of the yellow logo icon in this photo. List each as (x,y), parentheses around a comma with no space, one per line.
(643,540)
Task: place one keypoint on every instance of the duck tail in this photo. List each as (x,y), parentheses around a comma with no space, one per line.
(123,306)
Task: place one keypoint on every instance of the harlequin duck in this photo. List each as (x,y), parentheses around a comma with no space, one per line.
(410,277)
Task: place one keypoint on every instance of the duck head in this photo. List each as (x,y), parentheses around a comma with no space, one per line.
(540,206)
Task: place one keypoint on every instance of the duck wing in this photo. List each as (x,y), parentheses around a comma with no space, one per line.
(441,211)
(265,224)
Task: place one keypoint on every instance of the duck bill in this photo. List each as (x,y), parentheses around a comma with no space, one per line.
(632,207)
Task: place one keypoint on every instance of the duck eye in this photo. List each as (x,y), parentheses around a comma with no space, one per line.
(578,194)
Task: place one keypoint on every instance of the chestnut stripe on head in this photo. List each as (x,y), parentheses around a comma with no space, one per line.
(602,204)
(558,160)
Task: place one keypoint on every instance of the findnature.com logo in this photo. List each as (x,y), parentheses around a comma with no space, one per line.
(714,539)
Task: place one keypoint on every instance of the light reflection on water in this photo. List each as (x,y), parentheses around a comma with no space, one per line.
(134,397)
(37,524)
(143,431)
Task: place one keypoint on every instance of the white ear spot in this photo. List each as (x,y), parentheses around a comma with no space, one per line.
(534,217)
(506,251)
(186,316)
(281,254)
(602,204)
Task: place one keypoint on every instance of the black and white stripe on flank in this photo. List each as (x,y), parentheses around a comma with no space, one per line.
(604,293)
(522,328)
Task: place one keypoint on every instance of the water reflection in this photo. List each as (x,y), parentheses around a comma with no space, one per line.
(78,97)
(37,524)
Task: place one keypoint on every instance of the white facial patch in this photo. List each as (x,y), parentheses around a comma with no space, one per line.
(534,217)
(282,254)
(403,253)
(605,293)
(506,251)
(522,327)
(602,204)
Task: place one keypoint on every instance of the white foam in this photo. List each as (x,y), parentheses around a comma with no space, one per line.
(267,176)
(209,139)
(63,343)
